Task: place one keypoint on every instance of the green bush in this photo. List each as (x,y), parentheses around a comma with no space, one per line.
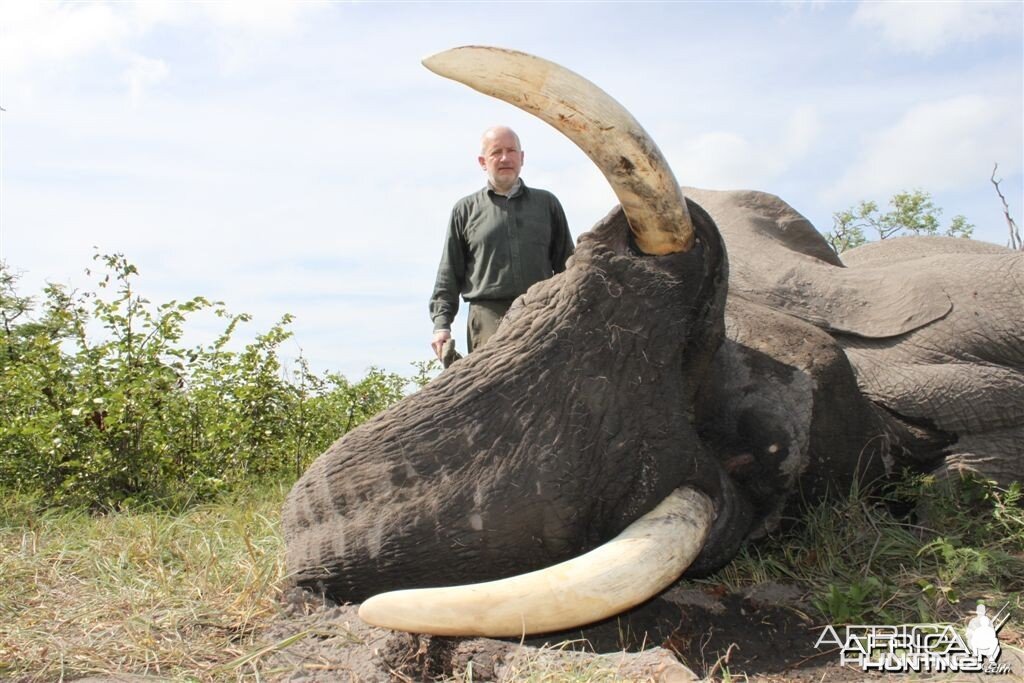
(912,213)
(105,405)
(922,549)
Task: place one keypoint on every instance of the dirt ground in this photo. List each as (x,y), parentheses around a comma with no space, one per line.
(766,634)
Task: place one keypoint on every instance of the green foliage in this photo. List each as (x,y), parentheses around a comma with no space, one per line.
(980,534)
(861,563)
(912,213)
(853,603)
(105,405)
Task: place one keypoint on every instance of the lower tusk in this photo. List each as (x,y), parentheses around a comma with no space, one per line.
(634,566)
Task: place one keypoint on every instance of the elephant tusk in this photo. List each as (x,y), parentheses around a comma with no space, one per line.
(600,126)
(645,558)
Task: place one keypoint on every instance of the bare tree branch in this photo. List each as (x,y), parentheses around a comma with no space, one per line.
(1015,240)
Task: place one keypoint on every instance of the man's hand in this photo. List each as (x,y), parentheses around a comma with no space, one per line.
(440,337)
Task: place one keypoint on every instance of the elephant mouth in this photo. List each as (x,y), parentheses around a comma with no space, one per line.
(657,548)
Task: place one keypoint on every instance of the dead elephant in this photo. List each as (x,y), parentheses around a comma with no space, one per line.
(627,399)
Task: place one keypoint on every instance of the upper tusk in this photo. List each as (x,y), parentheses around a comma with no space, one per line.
(637,564)
(600,126)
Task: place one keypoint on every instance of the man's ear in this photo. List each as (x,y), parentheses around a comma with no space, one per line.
(482,162)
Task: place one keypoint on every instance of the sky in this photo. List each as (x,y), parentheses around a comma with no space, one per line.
(297,157)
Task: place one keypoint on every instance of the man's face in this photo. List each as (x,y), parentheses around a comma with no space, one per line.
(502,160)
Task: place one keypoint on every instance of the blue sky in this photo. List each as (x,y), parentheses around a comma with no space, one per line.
(296,157)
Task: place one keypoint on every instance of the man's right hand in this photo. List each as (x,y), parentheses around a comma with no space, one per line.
(440,337)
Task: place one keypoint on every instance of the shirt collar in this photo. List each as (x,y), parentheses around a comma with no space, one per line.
(516,189)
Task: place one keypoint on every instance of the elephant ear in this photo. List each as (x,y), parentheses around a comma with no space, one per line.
(779,260)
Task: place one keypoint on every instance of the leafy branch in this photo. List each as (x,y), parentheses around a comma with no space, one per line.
(911,213)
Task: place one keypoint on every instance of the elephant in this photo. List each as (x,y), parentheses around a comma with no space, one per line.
(704,364)
(936,350)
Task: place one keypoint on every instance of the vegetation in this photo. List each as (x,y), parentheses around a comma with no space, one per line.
(860,563)
(175,595)
(186,595)
(912,213)
(110,424)
(105,406)
(1015,241)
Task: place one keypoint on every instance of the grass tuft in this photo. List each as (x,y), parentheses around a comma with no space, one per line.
(560,663)
(146,591)
(860,563)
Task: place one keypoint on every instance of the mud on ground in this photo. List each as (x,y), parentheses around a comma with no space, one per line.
(765,634)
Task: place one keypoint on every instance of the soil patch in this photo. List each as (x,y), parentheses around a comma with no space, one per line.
(765,634)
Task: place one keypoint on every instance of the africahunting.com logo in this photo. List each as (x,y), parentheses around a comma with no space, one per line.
(921,648)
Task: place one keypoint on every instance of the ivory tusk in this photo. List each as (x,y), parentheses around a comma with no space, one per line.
(637,564)
(600,126)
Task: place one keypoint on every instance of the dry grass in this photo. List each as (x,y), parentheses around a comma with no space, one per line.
(861,564)
(561,663)
(186,595)
(550,670)
(145,592)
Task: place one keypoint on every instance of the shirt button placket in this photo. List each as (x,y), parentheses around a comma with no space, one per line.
(512,226)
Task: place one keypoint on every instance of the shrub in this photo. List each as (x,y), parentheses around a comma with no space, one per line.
(105,405)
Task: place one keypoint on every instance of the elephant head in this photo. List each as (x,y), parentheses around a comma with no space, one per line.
(571,424)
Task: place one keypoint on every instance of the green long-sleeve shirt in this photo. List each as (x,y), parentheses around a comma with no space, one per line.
(497,246)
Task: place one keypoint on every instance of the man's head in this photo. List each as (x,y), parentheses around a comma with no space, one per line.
(501,157)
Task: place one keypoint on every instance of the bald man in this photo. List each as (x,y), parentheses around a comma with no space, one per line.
(500,240)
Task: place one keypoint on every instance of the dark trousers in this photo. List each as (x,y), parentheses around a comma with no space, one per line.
(484,318)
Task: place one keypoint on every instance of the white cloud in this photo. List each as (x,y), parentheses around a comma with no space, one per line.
(939,145)
(259,16)
(928,27)
(33,32)
(247,30)
(727,159)
(61,35)
(802,132)
(142,73)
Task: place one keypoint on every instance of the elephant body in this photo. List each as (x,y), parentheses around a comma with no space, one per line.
(563,430)
(933,328)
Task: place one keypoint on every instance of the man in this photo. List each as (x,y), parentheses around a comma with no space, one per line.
(500,241)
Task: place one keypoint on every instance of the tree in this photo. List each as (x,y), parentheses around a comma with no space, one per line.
(1015,239)
(911,213)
